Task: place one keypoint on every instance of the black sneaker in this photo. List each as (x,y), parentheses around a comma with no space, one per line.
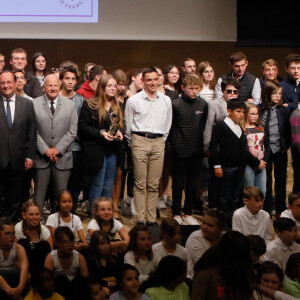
(151,224)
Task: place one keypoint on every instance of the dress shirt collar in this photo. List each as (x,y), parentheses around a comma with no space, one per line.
(13,98)
(282,245)
(54,101)
(231,122)
(299,105)
(146,97)
(250,214)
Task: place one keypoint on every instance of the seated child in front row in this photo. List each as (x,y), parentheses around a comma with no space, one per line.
(251,219)
(171,237)
(257,249)
(103,220)
(102,263)
(69,267)
(270,278)
(140,254)
(43,287)
(64,217)
(293,212)
(128,283)
(213,224)
(280,249)
(13,263)
(229,155)
(168,281)
(33,236)
(291,282)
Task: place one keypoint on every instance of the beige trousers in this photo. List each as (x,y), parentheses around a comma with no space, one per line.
(148,158)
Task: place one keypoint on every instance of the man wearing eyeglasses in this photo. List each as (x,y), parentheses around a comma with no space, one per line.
(217,111)
(2,62)
(18,61)
(250,89)
(18,144)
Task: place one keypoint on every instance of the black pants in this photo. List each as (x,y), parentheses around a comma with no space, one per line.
(76,181)
(279,160)
(11,183)
(185,175)
(296,167)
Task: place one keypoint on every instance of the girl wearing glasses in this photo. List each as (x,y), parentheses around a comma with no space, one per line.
(258,145)
(172,82)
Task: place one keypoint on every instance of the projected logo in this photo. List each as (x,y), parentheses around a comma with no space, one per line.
(71,4)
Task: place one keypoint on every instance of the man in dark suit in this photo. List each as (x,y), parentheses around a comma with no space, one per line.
(18,144)
(56,120)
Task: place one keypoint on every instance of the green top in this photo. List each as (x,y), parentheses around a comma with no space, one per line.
(181,292)
(291,287)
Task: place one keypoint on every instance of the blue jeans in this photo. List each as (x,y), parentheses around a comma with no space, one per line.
(103,181)
(256,178)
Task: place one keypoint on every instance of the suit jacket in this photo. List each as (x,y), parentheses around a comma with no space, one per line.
(217,111)
(18,142)
(57,131)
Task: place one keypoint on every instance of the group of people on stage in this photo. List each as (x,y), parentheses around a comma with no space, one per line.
(216,138)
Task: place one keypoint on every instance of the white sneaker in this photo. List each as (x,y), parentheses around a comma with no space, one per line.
(161,203)
(132,206)
(178,219)
(189,220)
(85,207)
(46,208)
(167,200)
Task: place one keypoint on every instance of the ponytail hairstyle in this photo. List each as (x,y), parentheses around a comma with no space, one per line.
(24,209)
(97,218)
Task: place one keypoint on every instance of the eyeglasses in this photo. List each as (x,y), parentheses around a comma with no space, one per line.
(253,114)
(231,91)
(174,73)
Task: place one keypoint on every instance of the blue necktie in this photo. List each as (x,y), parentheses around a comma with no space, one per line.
(8,113)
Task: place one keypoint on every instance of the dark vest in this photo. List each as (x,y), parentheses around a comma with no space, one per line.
(247,83)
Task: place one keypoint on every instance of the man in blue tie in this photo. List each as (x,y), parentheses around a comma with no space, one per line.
(18,144)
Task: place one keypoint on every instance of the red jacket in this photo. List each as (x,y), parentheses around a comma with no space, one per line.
(85,90)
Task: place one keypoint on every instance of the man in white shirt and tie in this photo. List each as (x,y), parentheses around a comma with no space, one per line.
(18,144)
(56,120)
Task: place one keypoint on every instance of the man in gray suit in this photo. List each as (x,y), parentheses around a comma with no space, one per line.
(18,144)
(56,119)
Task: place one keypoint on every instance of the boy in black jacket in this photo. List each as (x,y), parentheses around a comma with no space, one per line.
(229,155)
(186,137)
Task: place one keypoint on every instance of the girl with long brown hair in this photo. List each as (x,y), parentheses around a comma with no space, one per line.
(100,129)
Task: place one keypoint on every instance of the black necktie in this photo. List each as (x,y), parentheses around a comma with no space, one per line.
(8,113)
(52,108)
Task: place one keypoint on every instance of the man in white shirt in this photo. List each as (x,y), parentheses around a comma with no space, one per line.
(18,144)
(148,116)
(56,119)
